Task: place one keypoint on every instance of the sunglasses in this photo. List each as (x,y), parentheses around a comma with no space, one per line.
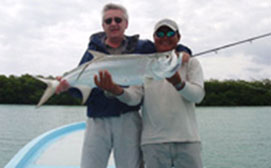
(116,19)
(161,34)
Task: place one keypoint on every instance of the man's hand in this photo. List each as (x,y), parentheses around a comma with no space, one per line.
(186,57)
(105,82)
(175,79)
(63,85)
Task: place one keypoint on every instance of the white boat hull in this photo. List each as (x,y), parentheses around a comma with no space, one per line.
(58,148)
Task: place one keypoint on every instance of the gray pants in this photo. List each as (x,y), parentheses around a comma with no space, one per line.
(168,155)
(122,134)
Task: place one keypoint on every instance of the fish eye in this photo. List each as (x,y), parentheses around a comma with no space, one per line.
(167,56)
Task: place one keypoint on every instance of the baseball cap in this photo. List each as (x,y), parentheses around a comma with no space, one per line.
(166,22)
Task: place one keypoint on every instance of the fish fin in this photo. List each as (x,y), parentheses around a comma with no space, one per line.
(50,90)
(96,54)
(85,91)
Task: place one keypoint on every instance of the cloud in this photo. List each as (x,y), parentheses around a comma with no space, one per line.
(50,37)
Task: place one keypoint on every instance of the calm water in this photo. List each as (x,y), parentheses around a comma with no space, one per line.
(237,137)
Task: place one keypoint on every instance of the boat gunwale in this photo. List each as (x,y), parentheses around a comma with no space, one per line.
(32,149)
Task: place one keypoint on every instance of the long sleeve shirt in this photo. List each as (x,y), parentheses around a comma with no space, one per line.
(168,114)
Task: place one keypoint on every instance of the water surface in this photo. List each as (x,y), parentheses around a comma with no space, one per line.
(232,137)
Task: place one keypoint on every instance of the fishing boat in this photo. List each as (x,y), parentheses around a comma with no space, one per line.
(57,148)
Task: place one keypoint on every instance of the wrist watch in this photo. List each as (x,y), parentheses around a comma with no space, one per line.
(180,85)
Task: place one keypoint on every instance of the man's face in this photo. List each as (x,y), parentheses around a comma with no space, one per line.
(165,39)
(114,23)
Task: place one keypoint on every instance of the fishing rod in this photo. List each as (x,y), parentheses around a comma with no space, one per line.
(215,50)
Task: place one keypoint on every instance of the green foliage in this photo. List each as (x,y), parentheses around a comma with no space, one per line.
(237,93)
(27,90)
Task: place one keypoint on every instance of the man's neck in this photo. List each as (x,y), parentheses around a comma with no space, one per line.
(114,42)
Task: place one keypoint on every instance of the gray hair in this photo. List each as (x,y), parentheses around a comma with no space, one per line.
(111,6)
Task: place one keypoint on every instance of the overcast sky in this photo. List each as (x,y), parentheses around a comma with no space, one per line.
(49,37)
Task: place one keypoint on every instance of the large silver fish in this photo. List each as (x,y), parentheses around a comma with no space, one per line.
(126,69)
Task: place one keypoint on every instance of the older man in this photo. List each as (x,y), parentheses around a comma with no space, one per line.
(170,135)
(111,124)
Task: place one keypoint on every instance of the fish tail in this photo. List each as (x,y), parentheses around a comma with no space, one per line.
(50,90)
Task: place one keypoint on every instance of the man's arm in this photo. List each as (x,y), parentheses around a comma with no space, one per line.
(131,96)
(193,88)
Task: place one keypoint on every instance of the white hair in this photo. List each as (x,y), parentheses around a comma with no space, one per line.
(111,6)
